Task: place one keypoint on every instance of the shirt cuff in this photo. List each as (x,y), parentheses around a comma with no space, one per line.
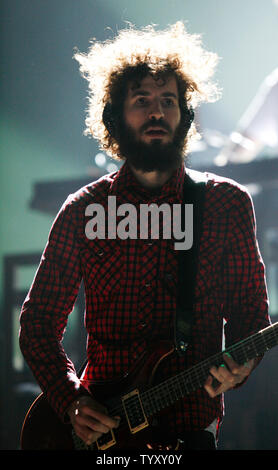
(63,393)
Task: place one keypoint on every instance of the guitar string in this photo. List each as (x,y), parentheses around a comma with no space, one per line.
(179,384)
(258,338)
(186,381)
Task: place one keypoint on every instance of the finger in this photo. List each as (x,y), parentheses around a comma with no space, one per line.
(233,366)
(89,402)
(210,387)
(92,437)
(221,373)
(220,380)
(226,374)
(249,365)
(85,402)
(92,424)
(245,370)
(236,369)
(98,416)
(214,391)
(86,434)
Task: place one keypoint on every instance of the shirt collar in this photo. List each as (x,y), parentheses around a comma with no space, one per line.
(125,180)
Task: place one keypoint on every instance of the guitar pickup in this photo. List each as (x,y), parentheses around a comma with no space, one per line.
(106,440)
(134,411)
(103,442)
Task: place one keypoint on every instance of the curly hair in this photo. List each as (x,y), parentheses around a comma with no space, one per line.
(132,54)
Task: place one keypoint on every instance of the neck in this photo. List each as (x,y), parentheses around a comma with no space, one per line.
(152,179)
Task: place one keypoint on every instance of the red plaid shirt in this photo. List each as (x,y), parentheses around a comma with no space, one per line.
(130,288)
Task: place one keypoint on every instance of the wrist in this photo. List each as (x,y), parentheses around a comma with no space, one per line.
(71,409)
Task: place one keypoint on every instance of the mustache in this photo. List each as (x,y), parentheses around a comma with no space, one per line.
(159,124)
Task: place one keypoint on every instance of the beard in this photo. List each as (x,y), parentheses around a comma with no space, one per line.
(156,155)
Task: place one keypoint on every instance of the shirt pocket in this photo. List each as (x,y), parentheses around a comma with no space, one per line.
(103,268)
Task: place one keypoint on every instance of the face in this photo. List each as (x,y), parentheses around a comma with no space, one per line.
(151,133)
(152,110)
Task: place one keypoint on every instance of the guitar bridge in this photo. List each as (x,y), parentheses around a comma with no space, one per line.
(134,411)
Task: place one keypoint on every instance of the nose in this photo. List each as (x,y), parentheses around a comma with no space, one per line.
(156,111)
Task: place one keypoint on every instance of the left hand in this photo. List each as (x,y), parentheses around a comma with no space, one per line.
(228,375)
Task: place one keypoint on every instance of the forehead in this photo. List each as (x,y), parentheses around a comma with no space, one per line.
(153,85)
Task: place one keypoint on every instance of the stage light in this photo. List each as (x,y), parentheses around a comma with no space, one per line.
(100,159)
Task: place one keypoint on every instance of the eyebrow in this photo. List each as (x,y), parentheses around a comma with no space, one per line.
(142,92)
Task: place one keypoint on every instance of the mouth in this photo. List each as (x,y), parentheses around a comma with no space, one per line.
(156,132)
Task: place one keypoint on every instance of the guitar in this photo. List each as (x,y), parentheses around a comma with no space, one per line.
(143,403)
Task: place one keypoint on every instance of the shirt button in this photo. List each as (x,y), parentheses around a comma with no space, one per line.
(142,325)
(100,253)
(148,284)
(169,276)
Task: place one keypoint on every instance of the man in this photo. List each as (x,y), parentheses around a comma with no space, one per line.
(143,88)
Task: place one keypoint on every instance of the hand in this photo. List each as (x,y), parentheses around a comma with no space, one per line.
(90,419)
(227,377)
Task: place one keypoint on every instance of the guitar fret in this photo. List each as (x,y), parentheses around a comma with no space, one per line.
(148,404)
(174,388)
(265,342)
(134,413)
(171,390)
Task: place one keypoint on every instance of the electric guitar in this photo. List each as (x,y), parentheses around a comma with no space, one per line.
(139,399)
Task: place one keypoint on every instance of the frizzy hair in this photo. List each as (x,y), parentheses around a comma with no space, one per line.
(109,65)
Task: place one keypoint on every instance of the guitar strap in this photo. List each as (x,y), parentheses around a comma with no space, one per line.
(193,193)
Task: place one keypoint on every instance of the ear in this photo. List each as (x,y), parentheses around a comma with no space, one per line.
(108,119)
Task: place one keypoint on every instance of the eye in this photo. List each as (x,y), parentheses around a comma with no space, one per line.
(141,101)
(168,102)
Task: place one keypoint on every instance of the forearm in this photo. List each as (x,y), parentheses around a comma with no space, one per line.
(45,313)
(44,354)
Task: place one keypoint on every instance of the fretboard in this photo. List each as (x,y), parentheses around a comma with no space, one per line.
(171,390)
(168,392)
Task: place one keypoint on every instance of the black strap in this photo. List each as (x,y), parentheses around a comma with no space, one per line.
(194,193)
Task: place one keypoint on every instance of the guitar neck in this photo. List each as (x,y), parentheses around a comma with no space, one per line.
(177,387)
(135,408)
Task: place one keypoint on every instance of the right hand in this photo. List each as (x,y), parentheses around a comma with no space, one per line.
(90,419)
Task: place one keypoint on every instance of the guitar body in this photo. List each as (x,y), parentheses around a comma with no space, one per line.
(43,430)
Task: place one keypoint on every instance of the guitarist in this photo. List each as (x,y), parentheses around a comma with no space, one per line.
(143,87)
